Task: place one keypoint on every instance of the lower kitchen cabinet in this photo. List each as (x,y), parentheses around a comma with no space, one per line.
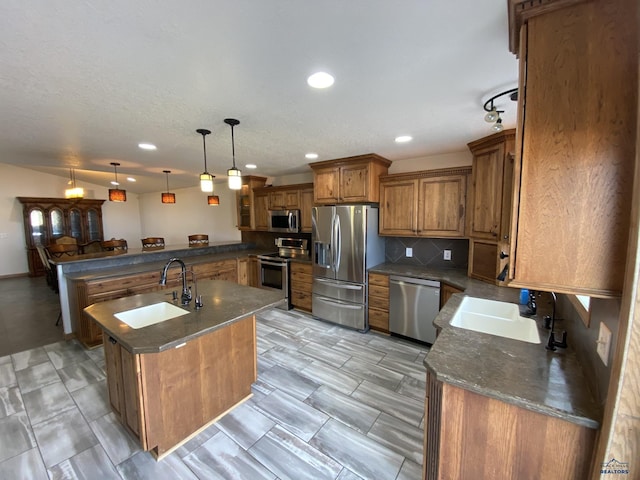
(379,302)
(470,436)
(446,291)
(301,285)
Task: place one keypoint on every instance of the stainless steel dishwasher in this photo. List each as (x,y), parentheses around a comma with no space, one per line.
(413,305)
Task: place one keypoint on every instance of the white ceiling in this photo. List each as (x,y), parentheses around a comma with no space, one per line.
(82,83)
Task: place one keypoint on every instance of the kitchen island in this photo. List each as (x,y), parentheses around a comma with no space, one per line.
(170,380)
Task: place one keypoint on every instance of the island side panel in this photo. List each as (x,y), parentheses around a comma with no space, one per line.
(187,387)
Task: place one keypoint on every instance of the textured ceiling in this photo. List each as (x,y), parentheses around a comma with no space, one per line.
(82,83)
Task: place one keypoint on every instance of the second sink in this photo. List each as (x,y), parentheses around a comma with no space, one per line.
(150,314)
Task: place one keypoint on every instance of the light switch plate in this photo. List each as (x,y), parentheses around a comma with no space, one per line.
(408,252)
(447,254)
(604,343)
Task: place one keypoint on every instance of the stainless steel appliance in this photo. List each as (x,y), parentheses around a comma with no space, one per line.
(345,244)
(413,305)
(273,268)
(285,221)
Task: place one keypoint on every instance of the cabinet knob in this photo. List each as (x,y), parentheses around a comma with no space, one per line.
(112,340)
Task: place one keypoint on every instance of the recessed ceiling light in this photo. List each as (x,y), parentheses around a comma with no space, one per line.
(250,166)
(311,156)
(113,182)
(147,146)
(320,80)
(131,179)
(404,138)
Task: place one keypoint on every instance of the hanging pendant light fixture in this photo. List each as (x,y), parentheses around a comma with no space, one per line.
(115,194)
(168,197)
(235,175)
(206,179)
(73,192)
(213,200)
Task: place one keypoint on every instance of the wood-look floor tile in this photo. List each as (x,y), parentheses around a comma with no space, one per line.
(93,400)
(403,366)
(294,415)
(188,447)
(410,471)
(361,352)
(292,459)
(357,452)
(93,463)
(16,436)
(398,436)
(395,404)
(27,465)
(80,375)
(288,358)
(289,381)
(347,474)
(47,402)
(66,353)
(221,458)
(325,354)
(413,388)
(29,358)
(10,401)
(404,348)
(374,373)
(7,374)
(63,437)
(245,425)
(286,340)
(37,376)
(142,466)
(333,377)
(348,410)
(114,438)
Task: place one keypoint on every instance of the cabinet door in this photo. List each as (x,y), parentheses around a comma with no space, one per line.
(277,200)
(252,272)
(306,205)
(487,177)
(261,209)
(354,183)
(326,185)
(243,272)
(441,202)
(243,204)
(398,207)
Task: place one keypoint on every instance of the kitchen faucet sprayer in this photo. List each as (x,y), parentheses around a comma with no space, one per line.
(186,291)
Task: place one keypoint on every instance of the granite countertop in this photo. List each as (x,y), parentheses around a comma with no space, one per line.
(224,303)
(519,373)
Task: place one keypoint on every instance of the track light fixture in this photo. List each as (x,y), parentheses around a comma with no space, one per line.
(206,179)
(115,194)
(235,175)
(493,114)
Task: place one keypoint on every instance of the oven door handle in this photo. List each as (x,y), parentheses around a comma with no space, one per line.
(272,263)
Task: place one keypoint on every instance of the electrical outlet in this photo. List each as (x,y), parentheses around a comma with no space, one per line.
(447,255)
(408,252)
(604,343)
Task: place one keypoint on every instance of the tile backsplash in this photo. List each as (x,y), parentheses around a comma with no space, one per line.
(428,252)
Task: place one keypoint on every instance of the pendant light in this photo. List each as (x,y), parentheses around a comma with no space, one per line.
(235,175)
(168,197)
(115,194)
(213,200)
(206,179)
(73,192)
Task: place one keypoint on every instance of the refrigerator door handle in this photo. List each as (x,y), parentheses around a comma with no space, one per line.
(338,243)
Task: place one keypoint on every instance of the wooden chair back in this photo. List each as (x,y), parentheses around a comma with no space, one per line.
(65,239)
(198,240)
(58,250)
(152,243)
(92,247)
(113,245)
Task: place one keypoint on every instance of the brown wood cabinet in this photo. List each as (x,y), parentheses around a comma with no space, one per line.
(252,272)
(348,180)
(378,309)
(83,292)
(301,285)
(46,219)
(164,398)
(490,205)
(424,204)
(261,210)
(446,291)
(470,436)
(306,206)
(578,97)
(284,197)
(245,202)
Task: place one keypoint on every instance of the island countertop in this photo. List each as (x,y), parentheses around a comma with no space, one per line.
(520,373)
(224,303)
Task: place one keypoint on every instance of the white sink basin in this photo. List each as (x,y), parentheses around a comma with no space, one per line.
(495,318)
(150,314)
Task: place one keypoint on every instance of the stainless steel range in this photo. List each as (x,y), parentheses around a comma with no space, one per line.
(273,268)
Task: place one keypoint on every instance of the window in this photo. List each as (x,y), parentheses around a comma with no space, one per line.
(582,305)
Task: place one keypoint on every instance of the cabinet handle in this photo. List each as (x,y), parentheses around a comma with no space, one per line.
(112,340)
(503,255)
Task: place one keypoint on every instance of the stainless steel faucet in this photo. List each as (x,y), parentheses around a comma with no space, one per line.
(186,292)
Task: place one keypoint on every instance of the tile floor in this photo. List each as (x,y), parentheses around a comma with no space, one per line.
(329,403)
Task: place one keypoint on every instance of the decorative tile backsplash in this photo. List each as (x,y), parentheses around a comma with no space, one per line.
(428,252)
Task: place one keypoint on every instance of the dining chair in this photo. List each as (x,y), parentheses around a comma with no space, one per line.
(152,243)
(92,247)
(59,250)
(198,240)
(114,245)
(65,239)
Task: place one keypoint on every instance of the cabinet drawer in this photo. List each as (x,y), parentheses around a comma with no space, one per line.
(381,303)
(378,291)
(129,281)
(300,299)
(301,278)
(378,280)
(378,319)
(304,268)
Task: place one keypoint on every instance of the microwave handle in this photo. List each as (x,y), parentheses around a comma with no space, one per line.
(292,221)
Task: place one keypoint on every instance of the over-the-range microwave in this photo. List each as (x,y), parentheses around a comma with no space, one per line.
(286,221)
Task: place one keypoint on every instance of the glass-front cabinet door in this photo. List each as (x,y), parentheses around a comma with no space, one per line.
(37,229)
(75,224)
(94,225)
(56,222)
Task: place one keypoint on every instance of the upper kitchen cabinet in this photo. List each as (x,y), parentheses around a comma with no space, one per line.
(285,198)
(348,180)
(492,185)
(425,204)
(306,206)
(46,219)
(576,145)
(246,202)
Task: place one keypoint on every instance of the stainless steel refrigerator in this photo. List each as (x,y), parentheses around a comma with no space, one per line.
(345,244)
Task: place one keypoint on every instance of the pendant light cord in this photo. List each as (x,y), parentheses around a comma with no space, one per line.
(204,147)
(233,148)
